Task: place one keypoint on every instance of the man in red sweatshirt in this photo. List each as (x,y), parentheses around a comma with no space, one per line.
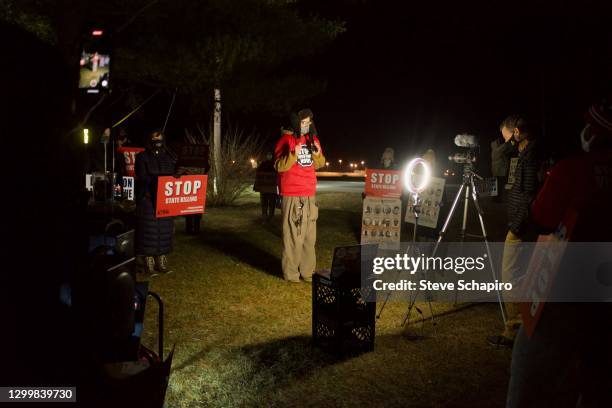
(298,154)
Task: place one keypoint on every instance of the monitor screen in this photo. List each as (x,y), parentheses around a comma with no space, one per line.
(94,71)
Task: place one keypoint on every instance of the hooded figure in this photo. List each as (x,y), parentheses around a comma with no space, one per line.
(153,235)
(298,154)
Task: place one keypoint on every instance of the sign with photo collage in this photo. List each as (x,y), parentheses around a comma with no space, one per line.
(381,222)
(430,204)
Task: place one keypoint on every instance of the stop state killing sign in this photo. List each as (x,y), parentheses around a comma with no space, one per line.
(383,183)
(183,195)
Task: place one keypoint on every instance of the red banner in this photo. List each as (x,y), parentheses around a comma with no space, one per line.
(183,195)
(129,155)
(383,183)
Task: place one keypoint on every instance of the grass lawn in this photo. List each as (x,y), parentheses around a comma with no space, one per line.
(242,334)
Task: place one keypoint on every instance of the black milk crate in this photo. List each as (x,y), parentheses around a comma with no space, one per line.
(342,322)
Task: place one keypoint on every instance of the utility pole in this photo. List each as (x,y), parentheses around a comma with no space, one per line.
(217,141)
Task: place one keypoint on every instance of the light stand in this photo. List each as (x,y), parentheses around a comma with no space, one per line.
(415,190)
(416,208)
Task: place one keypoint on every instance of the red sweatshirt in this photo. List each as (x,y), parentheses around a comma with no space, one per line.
(584,183)
(296,170)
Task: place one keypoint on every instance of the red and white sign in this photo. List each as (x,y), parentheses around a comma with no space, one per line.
(129,154)
(542,270)
(383,183)
(183,195)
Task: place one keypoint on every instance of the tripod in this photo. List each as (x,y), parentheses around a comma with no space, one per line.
(467,185)
(416,208)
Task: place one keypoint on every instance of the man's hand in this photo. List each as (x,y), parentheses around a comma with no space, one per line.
(506,134)
(316,148)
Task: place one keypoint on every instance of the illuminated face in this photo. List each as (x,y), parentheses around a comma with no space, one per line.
(305,125)
(157,136)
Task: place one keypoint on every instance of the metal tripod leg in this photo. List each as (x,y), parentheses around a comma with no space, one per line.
(448,218)
(484,233)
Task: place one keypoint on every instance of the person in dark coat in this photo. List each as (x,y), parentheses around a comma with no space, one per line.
(519,138)
(153,235)
(266,184)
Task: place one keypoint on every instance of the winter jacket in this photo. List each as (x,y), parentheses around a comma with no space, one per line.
(153,235)
(297,177)
(523,190)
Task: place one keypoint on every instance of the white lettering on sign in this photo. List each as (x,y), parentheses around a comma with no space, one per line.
(304,157)
(130,157)
(384,178)
(178,188)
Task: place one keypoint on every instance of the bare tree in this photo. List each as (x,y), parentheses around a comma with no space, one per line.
(237,150)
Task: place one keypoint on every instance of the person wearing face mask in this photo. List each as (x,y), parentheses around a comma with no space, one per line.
(387,161)
(153,235)
(298,154)
(518,137)
(567,362)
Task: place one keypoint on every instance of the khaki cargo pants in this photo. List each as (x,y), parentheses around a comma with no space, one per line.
(511,271)
(299,216)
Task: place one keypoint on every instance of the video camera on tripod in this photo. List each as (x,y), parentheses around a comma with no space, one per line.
(469,156)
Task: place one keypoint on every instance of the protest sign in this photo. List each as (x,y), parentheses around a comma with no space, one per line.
(430,204)
(129,155)
(381,222)
(183,195)
(383,183)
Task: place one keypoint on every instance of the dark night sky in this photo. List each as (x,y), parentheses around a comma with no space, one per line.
(412,79)
(412,76)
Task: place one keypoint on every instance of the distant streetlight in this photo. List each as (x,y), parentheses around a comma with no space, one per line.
(340,161)
(363,163)
(86,136)
(326,164)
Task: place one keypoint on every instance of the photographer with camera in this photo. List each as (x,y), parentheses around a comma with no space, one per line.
(297,155)
(518,137)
